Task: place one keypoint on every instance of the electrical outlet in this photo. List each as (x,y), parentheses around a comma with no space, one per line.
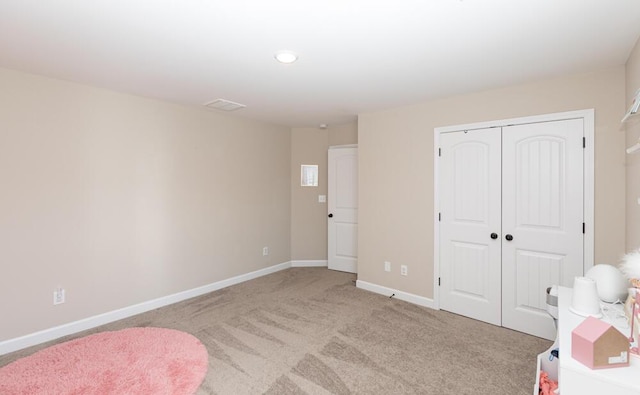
(265,251)
(403,270)
(58,296)
(387,266)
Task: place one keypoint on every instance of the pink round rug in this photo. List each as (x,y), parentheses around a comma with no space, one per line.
(129,361)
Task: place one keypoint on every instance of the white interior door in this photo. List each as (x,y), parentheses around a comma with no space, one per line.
(543,215)
(470,224)
(342,204)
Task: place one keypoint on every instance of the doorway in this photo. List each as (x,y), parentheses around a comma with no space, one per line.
(513,206)
(342,207)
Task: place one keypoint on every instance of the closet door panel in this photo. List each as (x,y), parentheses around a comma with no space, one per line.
(543,213)
(470,213)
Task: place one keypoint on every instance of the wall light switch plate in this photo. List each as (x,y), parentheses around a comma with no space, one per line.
(387,266)
(404,270)
(322,198)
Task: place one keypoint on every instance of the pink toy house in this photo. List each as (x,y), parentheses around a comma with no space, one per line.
(598,345)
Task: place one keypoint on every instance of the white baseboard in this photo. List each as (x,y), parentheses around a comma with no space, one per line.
(46,335)
(309,263)
(407,297)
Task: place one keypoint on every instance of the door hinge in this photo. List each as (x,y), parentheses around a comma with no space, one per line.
(583,228)
(439,151)
(584,142)
(439,217)
(438,281)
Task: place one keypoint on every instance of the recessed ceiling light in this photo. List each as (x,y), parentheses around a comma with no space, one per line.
(286,57)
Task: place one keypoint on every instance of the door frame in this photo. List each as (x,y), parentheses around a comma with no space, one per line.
(588,117)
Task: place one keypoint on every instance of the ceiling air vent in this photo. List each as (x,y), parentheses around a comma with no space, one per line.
(224,105)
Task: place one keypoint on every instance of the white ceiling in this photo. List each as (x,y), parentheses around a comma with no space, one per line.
(355,55)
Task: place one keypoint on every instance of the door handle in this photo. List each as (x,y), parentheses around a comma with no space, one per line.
(330,215)
(508,237)
(494,236)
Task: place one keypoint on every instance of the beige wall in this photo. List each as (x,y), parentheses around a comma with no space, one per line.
(396,169)
(633,161)
(343,134)
(308,217)
(121,199)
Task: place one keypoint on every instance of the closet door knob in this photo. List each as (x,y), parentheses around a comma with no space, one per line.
(508,237)
(494,236)
(330,215)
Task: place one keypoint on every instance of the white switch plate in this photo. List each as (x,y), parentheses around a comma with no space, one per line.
(322,198)
(639,201)
(265,251)
(387,266)
(403,270)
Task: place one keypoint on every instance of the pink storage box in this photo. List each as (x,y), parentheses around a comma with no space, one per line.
(599,345)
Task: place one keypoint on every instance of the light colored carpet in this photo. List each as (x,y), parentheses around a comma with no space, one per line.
(311,331)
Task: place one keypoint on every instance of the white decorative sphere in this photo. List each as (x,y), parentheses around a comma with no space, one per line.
(611,283)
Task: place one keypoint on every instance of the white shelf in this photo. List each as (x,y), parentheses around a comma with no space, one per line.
(632,112)
(548,364)
(630,117)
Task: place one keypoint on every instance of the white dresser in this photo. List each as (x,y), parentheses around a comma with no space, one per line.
(575,378)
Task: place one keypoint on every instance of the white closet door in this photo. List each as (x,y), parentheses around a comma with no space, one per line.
(470,213)
(542,183)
